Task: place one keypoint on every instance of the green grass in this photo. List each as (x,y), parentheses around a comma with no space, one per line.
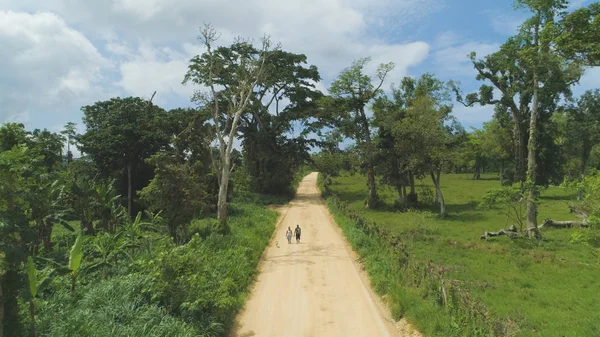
(194,289)
(547,288)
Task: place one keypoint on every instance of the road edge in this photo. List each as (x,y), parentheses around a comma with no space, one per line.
(399,328)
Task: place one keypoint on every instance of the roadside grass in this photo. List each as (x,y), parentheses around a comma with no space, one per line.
(195,289)
(547,288)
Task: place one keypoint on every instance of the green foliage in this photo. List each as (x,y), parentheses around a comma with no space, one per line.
(504,275)
(122,133)
(117,307)
(181,190)
(509,200)
(577,35)
(205,280)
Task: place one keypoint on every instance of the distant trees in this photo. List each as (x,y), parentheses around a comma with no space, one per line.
(351,93)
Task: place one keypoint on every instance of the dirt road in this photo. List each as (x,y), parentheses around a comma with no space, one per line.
(313,288)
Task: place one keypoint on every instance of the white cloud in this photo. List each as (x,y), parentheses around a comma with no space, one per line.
(446,39)
(473,116)
(45,64)
(146,45)
(506,24)
(454,60)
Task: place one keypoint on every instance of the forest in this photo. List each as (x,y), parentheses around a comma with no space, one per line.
(152,222)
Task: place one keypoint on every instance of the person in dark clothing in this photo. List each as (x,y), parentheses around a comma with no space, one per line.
(298,231)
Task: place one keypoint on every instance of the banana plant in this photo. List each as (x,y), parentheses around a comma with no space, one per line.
(75,257)
(134,233)
(109,247)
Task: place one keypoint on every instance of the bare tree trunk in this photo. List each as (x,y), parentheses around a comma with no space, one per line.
(520,150)
(532,227)
(372,203)
(373,198)
(438,191)
(222,200)
(400,192)
(129,204)
(477,173)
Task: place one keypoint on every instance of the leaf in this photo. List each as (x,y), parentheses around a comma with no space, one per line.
(32,276)
(76,255)
(66,225)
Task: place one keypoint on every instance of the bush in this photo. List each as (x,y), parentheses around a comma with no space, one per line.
(426,195)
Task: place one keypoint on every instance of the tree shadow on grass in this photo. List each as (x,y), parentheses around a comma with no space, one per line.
(568,197)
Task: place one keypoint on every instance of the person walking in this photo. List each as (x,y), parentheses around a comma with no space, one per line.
(288,235)
(298,231)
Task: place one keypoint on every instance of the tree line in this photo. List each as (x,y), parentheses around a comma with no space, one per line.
(539,134)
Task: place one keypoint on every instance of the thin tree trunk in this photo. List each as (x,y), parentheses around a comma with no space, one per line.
(46,234)
(222,200)
(412,197)
(520,150)
(532,227)
(400,192)
(372,203)
(585,155)
(438,192)
(373,197)
(404,193)
(129,204)
(477,174)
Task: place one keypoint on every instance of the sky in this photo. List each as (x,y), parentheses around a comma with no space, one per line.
(59,55)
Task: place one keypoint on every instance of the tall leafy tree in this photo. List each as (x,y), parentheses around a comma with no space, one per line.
(231,74)
(70,132)
(121,134)
(271,155)
(352,91)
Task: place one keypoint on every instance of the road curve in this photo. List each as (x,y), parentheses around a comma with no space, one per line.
(313,288)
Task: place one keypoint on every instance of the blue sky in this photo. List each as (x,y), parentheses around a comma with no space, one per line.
(58,55)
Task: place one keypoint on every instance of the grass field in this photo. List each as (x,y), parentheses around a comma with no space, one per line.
(548,288)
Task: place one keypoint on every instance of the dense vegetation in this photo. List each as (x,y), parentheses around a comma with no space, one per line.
(157,226)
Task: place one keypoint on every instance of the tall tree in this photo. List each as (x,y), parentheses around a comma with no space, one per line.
(352,91)
(271,155)
(424,137)
(231,74)
(70,132)
(121,134)
(539,56)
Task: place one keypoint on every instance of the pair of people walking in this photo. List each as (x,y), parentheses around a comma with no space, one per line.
(297,232)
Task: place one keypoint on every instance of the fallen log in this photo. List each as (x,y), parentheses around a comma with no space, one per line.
(563,224)
(511,232)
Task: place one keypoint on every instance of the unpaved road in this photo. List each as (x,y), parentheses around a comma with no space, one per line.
(313,288)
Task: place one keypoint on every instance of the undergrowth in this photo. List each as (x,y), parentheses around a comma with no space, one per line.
(194,289)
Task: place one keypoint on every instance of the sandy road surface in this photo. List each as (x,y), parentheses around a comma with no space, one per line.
(313,288)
